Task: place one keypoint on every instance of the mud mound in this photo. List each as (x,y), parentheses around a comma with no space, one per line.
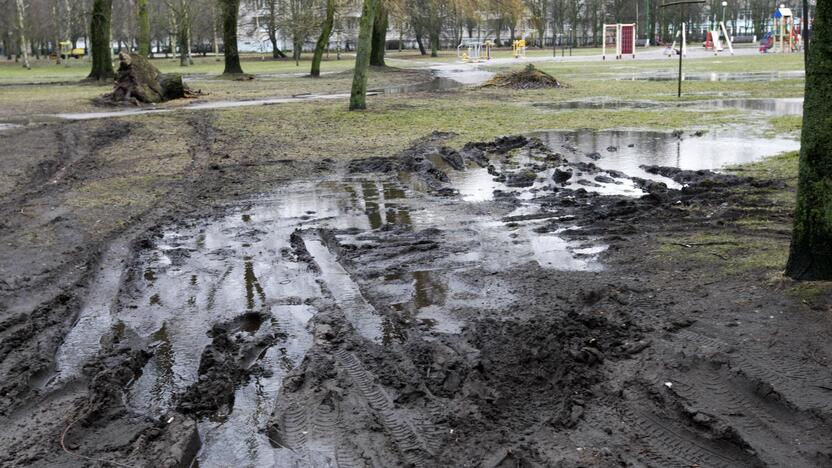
(559,358)
(527,78)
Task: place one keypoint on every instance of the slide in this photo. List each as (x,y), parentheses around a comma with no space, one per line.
(767,42)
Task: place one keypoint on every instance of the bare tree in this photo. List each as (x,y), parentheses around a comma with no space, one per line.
(230,12)
(21,30)
(323,40)
(102,54)
(358,97)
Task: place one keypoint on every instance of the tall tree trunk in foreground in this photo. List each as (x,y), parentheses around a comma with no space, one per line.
(379,35)
(804,31)
(144,28)
(323,40)
(102,52)
(230,10)
(21,29)
(811,250)
(358,97)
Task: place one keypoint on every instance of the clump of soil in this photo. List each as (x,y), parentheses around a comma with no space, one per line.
(139,82)
(527,78)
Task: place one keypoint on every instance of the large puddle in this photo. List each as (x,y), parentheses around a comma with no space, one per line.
(716,76)
(626,151)
(775,106)
(268,265)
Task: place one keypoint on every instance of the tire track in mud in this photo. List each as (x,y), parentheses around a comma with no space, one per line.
(315,436)
(408,436)
(672,445)
(754,421)
(799,387)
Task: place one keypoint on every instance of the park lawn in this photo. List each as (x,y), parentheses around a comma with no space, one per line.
(46,71)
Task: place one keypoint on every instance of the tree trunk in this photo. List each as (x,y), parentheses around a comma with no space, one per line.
(21,25)
(358,97)
(272,25)
(421,44)
(804,30)
(297,49)
(216,41)
(379,35)
(144,28)
(182,39)
(230,10)
(811,249)
(434,43)
(102,53)
(323,40)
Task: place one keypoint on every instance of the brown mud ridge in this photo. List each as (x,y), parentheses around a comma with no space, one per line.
(402,326)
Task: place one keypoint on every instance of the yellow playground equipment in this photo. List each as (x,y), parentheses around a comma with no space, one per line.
(519,48)
(475,51)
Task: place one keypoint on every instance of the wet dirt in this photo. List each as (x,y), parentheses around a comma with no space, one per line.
(439,307)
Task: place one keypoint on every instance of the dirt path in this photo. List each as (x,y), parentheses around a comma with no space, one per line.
(366,314)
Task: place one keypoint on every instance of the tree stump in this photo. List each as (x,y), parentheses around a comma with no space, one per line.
(139,82)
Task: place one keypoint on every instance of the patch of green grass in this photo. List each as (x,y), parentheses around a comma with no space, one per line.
(785,124)
(731,252)
(46,71)
(780,167)
(811,291)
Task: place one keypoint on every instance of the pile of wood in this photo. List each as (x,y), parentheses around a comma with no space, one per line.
(527,78)
(139,82)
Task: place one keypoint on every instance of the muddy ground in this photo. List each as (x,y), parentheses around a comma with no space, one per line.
(227,320)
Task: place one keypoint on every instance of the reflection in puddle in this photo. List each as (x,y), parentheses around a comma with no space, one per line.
(714,76)
(712,150)
(781,106)
(437,84)
(96,317)
(8,126)
(346,292)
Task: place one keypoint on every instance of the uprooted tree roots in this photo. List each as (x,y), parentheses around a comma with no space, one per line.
(139,82)
(527,78)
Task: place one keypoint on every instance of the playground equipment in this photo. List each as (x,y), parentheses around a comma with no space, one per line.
(476,51)
(714,41)
(767,42)
(624,38)
(784,27)
(684,49)
(518,48)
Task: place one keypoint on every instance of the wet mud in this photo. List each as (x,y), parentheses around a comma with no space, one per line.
(496,305)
